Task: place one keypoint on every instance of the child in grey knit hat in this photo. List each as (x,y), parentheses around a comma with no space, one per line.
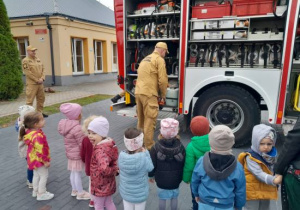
(258,164)
(218,180)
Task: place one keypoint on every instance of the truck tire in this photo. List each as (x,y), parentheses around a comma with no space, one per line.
(232,106)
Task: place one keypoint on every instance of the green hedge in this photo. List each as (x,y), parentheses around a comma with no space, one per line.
(11,85)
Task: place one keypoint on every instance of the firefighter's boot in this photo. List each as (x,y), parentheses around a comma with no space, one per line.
(115,98)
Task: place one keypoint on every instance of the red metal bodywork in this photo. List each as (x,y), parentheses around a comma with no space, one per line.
(119,20)
(287,58)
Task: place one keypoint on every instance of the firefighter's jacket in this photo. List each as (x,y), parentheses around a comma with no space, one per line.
(33,69)
(152,76)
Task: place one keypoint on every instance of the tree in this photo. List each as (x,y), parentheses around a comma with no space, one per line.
(11,84)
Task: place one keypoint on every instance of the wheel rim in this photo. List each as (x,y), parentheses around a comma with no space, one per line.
(225,112)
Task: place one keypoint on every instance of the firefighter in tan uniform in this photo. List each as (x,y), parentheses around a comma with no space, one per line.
(152,82)
(35,77)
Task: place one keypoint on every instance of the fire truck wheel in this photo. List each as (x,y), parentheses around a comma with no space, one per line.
(232,106)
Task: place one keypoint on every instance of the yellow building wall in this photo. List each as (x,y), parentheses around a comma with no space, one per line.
(62,31)
(40,41)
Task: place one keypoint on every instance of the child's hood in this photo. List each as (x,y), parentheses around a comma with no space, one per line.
(169,149)
(201,143)
(66,125)
(28,136)
(109,147)
(219,167)
(132,163)
(259,132)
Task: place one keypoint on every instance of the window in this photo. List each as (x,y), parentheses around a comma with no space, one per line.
(22,43)
(98,52)
(77,56)
(114,58)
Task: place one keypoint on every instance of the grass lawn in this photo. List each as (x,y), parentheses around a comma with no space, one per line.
(11,119)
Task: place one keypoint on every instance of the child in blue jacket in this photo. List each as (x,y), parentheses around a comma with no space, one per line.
(218,180)
(134,164)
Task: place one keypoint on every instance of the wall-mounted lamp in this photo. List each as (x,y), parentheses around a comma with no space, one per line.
(29,23)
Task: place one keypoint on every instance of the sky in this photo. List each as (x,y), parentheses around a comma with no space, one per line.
(108,3)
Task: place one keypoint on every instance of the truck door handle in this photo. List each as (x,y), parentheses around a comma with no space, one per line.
(229,73)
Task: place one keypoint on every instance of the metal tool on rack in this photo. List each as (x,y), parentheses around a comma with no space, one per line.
(253,56)
(275,55)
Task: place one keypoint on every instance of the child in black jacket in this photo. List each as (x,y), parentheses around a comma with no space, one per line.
(168,155)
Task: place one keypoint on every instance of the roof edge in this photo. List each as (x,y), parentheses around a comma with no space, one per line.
(61,15)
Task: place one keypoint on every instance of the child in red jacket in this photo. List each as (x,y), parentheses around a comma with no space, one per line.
(86,152)
(103,164)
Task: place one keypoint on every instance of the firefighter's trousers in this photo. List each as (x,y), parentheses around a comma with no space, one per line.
(147,111)
(37,91)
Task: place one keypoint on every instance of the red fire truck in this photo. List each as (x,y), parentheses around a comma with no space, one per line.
(228,61)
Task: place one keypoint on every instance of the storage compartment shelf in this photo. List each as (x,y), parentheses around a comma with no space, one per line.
(270,15)
(234,40)
(221,29)
(154,39)
(154,14)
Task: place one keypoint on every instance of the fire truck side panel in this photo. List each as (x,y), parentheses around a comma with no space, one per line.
(291,25)
(265,82)
(183,51)
(119,20)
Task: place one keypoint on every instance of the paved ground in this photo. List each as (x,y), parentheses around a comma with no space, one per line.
(64,93)
(14,193)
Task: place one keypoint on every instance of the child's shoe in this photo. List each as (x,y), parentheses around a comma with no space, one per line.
(83,196)
(91,204)
(30,186)
(34,194)
(74,193)
(45,196)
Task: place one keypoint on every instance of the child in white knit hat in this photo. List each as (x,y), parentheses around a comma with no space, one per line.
(22,147)
(104,168)
(218,180)
(135,164)
(168,155)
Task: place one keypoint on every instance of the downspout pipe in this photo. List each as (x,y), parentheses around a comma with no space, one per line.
(51,48)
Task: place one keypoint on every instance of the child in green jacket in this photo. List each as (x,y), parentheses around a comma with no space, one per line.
(198,146)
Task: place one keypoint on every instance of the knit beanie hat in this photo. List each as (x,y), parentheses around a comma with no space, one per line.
(134,143)
(70,110)
(169,128)
(221,139)
(199,126)
(100,126)
(23,110)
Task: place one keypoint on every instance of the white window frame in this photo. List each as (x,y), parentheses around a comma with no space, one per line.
(112,57)
(74,56)
(96,56)
(26,45)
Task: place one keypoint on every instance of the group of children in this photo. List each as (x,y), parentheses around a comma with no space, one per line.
(218,180)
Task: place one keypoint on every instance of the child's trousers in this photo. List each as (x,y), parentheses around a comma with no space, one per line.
(29,174)
(134,206)
(40,176)
(257,205)
(100,202)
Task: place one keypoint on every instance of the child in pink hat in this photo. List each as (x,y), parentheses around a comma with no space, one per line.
(70,129)
(168,156)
